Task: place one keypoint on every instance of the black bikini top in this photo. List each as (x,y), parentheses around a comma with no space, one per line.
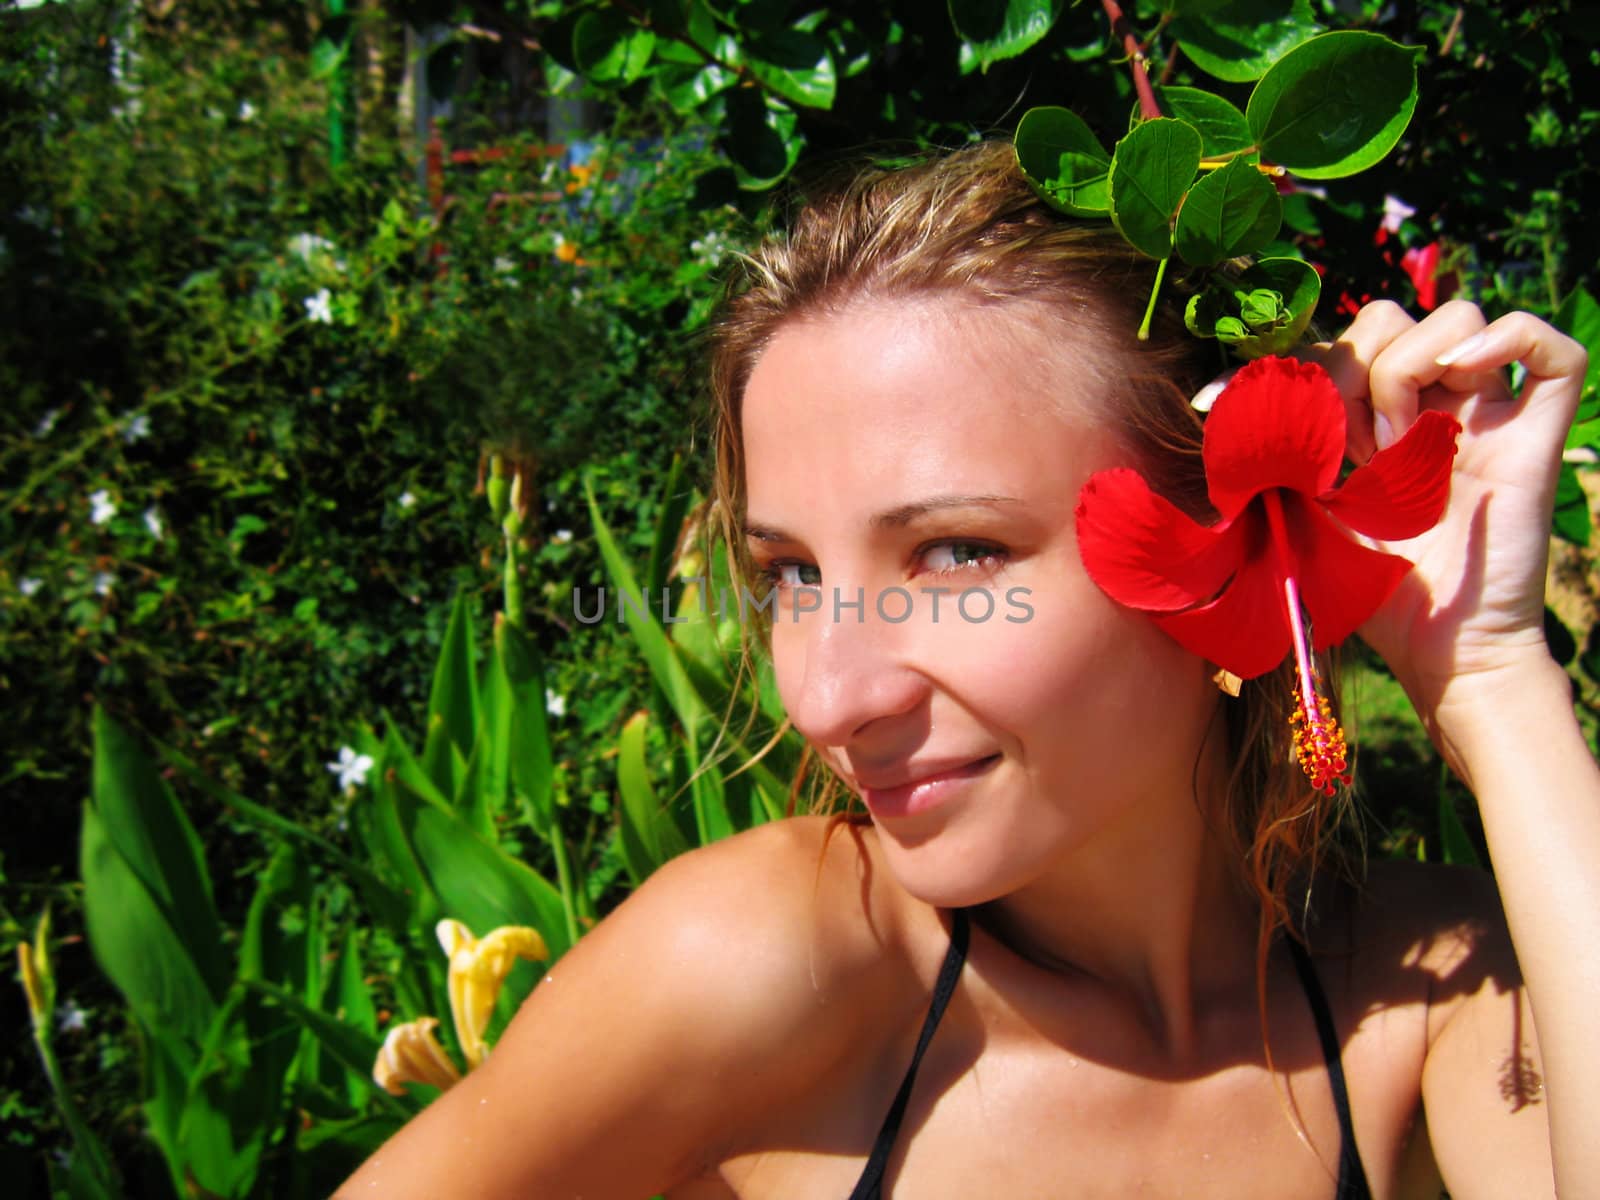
(1352,1177)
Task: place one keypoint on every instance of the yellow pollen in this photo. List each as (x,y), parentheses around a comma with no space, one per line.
(1319,745)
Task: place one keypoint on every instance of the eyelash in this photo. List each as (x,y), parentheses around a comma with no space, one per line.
(988,557)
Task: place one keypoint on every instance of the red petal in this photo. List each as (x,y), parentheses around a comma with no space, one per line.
(1145,552)
(1342,583)
(1402,491)
(1246,629)
(1278,423)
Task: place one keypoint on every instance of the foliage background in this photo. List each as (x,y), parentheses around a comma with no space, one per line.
(282,372)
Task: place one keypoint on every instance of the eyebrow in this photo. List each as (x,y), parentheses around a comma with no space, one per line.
(893,518)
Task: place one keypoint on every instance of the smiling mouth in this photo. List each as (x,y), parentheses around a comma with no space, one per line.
(924,793)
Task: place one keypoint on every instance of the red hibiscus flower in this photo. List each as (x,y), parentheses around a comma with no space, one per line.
(1279,571)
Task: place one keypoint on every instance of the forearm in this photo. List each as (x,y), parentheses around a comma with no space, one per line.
(1518,746)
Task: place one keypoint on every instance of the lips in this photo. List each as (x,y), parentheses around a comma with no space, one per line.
(919,787)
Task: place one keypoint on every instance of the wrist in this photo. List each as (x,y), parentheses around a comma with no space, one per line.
(1481,713)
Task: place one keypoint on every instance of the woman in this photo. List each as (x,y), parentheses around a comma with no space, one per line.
(1051,963)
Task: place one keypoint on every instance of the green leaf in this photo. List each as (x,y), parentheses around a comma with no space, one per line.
(1233,210)
(1571,520)
(1000,29)
(609,48)
(762,139)
(1222,127)
(479,883)
(1455,842)
(331,48)
(354,1047)
(454,696)
(654,646)
(687,87)
(1064,161)
(795,65)
(532,761)
(1335,105)
(136,944)
(648,836)
(1579,318)
(1151,169)
(144,825)
(1237,42)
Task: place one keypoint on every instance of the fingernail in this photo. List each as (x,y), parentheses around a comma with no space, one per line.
(1383,431)
(1471,346)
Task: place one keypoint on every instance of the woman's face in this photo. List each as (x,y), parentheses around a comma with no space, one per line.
(912,472)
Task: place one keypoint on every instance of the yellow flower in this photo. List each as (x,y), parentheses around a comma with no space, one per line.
(478,970)
(411,1053)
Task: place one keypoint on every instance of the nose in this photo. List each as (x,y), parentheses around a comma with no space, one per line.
(853,671)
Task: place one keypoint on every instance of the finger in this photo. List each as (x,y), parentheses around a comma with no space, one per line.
(1556,364)
(1349,361)
(1408,364)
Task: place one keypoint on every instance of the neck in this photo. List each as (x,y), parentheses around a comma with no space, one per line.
(1150,911)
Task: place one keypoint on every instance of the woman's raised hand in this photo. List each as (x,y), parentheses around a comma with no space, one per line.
(1474,607)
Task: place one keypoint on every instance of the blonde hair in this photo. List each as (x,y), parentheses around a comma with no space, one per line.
(968,225)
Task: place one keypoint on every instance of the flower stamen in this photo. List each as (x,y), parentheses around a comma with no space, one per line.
(1319,743)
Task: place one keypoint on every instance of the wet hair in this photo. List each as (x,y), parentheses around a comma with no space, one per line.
(967,225)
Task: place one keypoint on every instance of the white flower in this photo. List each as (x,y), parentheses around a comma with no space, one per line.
(102,582)
(30,585)
(247,111)
(152,522)
(47,423)
(135,428)
(351,768)
(306,246)
(318,307)
(406,500)
(101,508)
(70,1018)
(504,265)
(561,537)
(1395,212)
(555,705)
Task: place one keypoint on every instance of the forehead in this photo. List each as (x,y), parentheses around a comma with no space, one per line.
(901,398)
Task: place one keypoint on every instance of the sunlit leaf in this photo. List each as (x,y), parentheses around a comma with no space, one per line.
(1064,161)
(1231,211)
(1000,29)
(1335,105)
(1237,42)
(1151,169)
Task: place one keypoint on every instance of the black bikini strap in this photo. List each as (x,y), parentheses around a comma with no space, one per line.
(949,975)
(1352,1175)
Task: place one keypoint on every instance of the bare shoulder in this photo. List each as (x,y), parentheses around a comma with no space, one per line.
(790,909)
(718,993)
(1435,930)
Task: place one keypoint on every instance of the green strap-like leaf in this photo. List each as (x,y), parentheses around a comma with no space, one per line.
(1335,105)
(453,697)
(1234,210)
(1579,318)
(137,945)
(1151,170)
(148,830)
